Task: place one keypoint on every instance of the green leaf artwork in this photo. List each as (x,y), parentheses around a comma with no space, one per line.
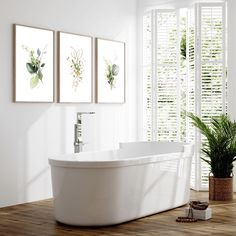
(34,65)
(76,64)
(112,70)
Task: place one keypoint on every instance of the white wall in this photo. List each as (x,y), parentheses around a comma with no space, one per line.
(30,132)
(144,5)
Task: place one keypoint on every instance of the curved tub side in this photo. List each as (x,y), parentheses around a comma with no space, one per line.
(98,197)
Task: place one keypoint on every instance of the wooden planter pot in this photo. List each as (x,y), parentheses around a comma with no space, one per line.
(220,189)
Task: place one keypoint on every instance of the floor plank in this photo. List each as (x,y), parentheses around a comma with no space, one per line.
(34,219)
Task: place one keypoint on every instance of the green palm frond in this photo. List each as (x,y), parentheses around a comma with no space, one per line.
(219,149)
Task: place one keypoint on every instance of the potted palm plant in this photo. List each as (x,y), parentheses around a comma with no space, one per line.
(219,151)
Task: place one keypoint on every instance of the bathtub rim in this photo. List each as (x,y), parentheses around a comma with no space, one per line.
(60,161)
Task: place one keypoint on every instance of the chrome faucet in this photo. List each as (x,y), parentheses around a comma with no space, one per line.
(78,142)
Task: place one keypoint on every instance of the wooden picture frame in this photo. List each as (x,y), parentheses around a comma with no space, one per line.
(33,64)
(75,68)
(110,71)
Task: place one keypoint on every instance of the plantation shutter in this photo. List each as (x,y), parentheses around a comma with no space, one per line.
(161,113)
(167,76)
(206,77)
(212,68)
(147,71)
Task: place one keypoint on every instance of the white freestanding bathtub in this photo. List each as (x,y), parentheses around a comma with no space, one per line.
(111,187)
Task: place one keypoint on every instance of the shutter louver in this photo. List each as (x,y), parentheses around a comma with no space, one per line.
(147,76)
(166,76)
(212,68)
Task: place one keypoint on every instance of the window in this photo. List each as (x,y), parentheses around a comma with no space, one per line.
(184,70)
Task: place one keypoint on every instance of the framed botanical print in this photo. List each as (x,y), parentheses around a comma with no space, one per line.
(33,64)
(75,68)
(110,71)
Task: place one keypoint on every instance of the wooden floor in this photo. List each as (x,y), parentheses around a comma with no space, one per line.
(37,219)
